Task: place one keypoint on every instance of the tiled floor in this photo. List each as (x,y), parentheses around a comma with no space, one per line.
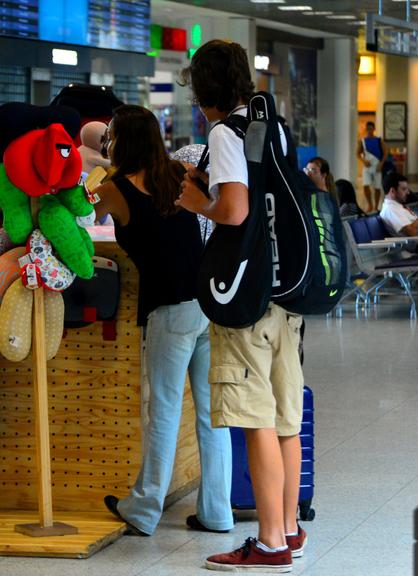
(364,375)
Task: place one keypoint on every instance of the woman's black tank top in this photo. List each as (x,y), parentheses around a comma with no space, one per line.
(165,250)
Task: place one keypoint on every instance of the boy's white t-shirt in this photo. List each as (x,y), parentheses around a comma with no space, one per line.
(227,158)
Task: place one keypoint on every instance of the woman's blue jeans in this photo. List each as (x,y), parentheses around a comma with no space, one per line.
(177,341)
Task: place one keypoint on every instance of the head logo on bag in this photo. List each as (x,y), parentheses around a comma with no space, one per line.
(226,297)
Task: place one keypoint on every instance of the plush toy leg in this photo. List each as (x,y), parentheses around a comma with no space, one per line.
(15,205)
(59,226)
(87,241)
(74,199)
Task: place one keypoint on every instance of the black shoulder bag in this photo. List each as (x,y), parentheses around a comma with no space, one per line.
(235,274)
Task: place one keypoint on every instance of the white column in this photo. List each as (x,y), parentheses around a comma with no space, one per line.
(337,106)
(381,83)
(243,31)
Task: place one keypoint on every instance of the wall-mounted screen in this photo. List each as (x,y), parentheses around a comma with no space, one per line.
(112,24)
(19,18)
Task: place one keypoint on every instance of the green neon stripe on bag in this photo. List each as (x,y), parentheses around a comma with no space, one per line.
(321,240)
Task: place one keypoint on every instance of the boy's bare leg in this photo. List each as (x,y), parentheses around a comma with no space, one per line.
(292,457)
(267,476)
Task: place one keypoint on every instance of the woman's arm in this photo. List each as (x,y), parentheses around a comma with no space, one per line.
(106,204)
(231,207)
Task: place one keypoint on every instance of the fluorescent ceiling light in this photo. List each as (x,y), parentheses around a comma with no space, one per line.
(68,57)
(295,8)
(267,1)
(341,17)
(357,23)
(319,13)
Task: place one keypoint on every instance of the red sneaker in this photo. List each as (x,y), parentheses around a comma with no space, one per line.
(297,543)
(251,558)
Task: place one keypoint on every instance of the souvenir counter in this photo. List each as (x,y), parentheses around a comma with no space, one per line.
(72,402)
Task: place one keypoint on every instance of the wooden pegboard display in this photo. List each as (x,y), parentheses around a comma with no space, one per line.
(94,414)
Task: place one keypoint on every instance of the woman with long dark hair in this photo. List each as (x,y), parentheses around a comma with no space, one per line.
(165,244)
(348,199)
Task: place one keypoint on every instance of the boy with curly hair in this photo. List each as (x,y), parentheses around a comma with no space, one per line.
(256,377)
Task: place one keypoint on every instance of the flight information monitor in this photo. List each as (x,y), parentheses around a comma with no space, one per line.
(19,18)
(112,24)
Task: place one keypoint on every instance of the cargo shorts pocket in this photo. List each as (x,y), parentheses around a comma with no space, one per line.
(294,323)
(228,390)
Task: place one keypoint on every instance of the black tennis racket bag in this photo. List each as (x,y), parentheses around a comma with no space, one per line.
(307,244)
(290,248)
(235,273)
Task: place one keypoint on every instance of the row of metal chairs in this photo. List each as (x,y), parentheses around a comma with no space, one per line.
(378,258)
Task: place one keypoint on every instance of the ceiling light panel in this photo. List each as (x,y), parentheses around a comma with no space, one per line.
(294,8)
(318,13)
(342,17)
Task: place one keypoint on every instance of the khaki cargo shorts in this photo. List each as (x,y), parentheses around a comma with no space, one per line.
(256,377)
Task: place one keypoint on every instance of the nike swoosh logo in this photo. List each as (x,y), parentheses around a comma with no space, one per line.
(333,293)
(226,297)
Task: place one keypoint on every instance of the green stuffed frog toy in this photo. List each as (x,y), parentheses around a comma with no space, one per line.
(44,163)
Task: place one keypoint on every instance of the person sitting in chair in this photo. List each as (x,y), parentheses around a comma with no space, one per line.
(398,218)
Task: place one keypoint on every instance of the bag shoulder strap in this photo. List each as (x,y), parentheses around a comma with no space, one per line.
(238,124)
(292,154)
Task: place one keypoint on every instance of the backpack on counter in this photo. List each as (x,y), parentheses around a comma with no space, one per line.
(290,248)
(97,299)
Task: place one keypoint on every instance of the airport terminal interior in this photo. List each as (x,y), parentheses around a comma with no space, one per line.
(332,66)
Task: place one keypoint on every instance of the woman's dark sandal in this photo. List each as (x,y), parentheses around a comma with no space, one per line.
(195,524)
(111,503)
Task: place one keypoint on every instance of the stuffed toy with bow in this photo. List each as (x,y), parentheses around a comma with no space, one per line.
(40,160)
(45,163)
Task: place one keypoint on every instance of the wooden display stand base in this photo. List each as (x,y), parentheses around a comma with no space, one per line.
(38,531)
(94,531)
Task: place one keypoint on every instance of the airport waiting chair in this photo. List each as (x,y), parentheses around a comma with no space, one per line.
(379,257)
(352,271)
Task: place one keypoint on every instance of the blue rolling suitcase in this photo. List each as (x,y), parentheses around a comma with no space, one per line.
(242,497)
